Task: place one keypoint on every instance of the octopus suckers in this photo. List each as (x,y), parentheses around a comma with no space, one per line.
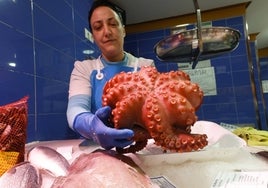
(163,104)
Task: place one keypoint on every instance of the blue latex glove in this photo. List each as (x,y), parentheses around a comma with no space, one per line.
(92,126)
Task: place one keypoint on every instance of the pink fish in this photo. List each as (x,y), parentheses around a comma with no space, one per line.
(22,175)
(103,169)
(48,159)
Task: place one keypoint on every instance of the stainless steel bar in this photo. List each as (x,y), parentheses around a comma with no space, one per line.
(198,34)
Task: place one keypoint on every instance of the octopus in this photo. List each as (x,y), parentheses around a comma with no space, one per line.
(158,106)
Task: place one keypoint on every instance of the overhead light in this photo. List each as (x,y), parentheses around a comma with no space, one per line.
(88,52)
(182,25)
(12,64)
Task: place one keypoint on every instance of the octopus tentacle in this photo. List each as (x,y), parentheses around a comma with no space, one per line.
(172,115)
(127,112)
(140,137)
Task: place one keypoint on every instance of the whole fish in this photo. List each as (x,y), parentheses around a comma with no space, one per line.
(49,160)
(22,175)
(103,169)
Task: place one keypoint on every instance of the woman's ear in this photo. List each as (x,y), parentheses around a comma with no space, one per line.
(124,31)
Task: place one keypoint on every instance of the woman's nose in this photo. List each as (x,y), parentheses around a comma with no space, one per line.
(107,30)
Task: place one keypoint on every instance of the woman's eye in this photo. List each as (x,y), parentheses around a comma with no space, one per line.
(97,27)
(113,24)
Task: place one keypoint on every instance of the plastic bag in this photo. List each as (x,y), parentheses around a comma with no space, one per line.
(13,128)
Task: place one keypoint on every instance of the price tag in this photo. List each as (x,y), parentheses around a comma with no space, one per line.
(241,179)
(162,182)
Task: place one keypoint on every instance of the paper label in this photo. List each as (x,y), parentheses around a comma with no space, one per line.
(205,78)
(265,86)
(162,182)
(241,179)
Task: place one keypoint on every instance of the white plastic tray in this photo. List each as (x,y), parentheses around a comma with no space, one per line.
(222,144)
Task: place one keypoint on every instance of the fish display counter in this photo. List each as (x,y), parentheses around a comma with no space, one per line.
(226,161)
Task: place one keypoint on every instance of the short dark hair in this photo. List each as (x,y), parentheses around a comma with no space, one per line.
(98,3)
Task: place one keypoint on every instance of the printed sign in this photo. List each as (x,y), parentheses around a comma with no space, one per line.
(265,86)
(205,77)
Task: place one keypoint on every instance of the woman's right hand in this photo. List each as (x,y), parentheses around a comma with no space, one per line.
(92,126)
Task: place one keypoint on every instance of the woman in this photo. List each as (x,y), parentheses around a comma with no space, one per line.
(85,113)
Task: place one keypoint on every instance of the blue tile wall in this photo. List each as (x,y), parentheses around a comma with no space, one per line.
(264,76)
(234,102)
(43,38)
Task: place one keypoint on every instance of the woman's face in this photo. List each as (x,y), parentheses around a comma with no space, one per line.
(108,33)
